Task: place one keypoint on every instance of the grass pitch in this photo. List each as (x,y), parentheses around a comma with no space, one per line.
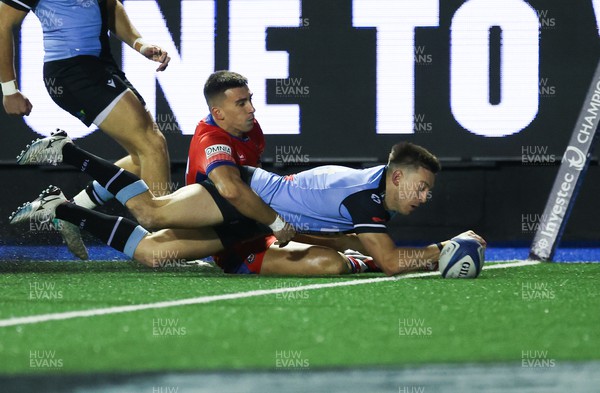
(533,315)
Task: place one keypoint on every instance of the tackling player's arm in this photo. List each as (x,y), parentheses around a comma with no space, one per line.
(120,25)
(230,185)
(14,102)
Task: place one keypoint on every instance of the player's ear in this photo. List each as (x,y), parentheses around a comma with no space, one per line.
(216,112)
(397,176)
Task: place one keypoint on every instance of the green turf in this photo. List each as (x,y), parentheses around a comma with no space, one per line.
(549,311)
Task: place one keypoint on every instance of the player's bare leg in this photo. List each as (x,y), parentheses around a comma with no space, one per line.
(172,246)
(133,128)
(189,207)
(298,259)
(130,164)
(124,235)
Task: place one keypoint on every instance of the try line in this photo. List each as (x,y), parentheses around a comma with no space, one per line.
(215,298)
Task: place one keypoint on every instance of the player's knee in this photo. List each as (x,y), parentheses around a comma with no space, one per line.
(147,216)
(331,262)
(147,257)
(147,260)
(154,142)
(157,251)
(158,139)
(145,140)
(150,221)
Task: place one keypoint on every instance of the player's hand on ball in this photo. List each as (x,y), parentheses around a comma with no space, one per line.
(431,266)
(471,235)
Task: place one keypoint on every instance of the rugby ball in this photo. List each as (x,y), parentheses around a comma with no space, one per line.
(462,258)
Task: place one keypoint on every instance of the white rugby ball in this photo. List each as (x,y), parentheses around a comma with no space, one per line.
(462,258)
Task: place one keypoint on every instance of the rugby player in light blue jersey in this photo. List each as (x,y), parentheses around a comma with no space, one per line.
(93,89)
(322,200)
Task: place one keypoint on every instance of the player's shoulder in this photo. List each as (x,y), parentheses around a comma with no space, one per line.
(207,125)
(344,177)
(206,130)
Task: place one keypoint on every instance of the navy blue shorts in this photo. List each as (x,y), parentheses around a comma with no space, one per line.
(235,227)
(85,86)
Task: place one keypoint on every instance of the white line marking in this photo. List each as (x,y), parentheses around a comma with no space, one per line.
(231,296)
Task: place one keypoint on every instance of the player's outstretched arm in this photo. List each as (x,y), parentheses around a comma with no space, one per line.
(230,185)
(121,26)
(14,102)
(394,260)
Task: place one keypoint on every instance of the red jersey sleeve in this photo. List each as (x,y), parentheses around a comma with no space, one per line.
(216,150)
(207,152)
(212,147)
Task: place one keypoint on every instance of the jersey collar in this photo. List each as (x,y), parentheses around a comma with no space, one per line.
(210,120)
(381,188)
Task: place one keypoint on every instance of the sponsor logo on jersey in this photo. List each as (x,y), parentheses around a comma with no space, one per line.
(376,198)
(86,3)
(378,219)
(217,149)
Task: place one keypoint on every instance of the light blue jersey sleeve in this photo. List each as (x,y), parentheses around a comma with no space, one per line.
(70,27)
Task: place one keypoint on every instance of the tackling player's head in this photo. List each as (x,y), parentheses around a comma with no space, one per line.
(230,101)
(411,172)
(220,81)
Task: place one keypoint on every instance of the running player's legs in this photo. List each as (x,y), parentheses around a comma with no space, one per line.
(96,91)
(175,245)
(133,128)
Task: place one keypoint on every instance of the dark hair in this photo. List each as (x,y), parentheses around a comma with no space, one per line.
(409,154)
(219,81)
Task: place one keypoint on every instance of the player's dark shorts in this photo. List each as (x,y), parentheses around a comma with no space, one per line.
(86,86)
(244,239)
(245,257)
(235,227)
